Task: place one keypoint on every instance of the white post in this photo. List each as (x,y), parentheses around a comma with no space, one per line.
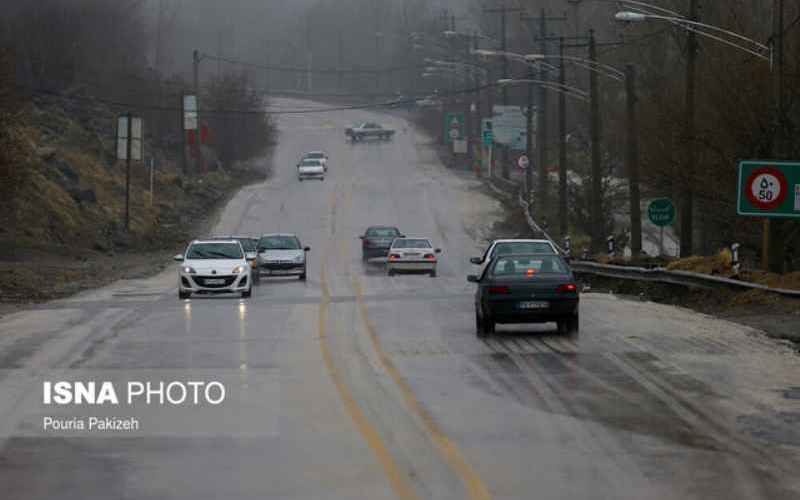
(152,167)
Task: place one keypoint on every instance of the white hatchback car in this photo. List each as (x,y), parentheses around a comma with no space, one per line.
(214,266)
(412,255)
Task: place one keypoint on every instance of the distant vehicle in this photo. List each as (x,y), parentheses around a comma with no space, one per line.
(317,155)
(249,244)
(526,289)
(412,255)
(281,254)
(376,240)
(367,130)
(429,102)
(310,169)
(214,266)
(513,246)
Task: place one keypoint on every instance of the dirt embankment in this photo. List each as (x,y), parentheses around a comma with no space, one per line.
(62,227)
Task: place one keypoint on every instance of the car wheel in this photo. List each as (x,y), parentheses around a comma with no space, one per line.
(488,326)
(391,272)
(479,329)
(303,276)
(184,295)
(300,179)
(573,325)
(433,273)
(247,293)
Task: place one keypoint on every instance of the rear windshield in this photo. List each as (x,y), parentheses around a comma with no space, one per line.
(200,251)
(526,266)
(279,243)
(382,232)
(310,162)
(411,243)
(522,247)
(312,156)
(249,244)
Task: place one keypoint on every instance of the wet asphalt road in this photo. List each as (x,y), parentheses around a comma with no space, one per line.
(372,387)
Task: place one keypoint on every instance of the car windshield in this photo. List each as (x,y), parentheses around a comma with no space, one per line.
(204,251)
(411,243)
(316,155)
(249,244)
(310,162)
(279,243)
(522,247)
(528,265)
(382,232)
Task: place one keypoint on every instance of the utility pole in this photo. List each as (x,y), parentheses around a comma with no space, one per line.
(632,162)
(529,138)
(541,127)
(129,119)
(340,61)
(596,205)
(774,244)
(689,164)
(563,222)
(504,10)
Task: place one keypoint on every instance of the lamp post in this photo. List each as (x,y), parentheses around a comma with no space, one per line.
(726,37)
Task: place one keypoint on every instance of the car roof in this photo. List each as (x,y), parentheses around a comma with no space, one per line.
(215,240)
(278,234)
(232,237)
(314,152)
(413,238)
(382,227)
(517,255)
(522,241)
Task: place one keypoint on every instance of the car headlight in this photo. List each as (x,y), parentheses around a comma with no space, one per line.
(299,258)
(239,269)
(189,270)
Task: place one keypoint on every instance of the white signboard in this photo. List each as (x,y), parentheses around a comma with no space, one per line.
(509,125)
(797,198)
(189,112)
(459,146)
(124,135)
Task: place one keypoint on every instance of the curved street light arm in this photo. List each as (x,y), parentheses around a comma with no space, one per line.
(553,86)
(598,67)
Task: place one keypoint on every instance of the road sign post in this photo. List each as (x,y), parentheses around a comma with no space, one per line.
(129,147)
(768,189)
(661,213)
(453,127)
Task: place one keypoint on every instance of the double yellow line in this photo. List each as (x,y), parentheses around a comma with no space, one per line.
(474,486)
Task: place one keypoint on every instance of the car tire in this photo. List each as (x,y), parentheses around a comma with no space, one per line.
(184,295)
(247,293)
(300,179)
(479,329)
(433,273)
(390,272)
(573,325)
(303,276)
(489,327)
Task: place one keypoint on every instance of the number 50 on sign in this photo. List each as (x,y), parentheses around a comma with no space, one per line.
(769,189)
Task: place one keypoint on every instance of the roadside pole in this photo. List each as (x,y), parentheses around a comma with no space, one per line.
(596,169)
(129,120)
(152,168)
(563,222)
(632,158)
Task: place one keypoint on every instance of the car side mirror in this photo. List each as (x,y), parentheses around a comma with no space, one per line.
(473,278)
(476,260)
(307,249)
(361,237)
(438,250)
(400,236)
(178,258)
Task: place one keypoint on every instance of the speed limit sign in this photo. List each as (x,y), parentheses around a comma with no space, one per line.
(767,188)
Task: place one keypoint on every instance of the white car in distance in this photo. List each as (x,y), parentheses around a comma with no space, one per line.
(310,169)
(214,266)
(317,155)
(412,255)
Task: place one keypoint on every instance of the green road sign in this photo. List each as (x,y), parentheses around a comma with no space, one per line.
(488,132)
(769,189)
(661,212)
(454,127)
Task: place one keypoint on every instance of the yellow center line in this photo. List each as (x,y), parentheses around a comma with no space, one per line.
(474,485)
(396,477)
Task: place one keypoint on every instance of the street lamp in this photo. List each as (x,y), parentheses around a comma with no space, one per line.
(726,37)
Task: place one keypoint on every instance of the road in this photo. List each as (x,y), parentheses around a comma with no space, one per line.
(355,385)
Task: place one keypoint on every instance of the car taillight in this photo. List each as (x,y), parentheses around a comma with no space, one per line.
(569,288)
(394,256)
(499,290)
(429,256)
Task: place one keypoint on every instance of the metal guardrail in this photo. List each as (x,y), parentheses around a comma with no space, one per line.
(660,275)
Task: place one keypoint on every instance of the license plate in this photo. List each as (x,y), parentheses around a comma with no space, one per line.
(279,271)
(215,282)
(533,305)
(412,255)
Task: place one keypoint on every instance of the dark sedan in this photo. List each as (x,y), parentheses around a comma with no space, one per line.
(531,288)
(376,241)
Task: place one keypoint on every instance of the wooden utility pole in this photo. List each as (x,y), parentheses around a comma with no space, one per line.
(596,205)
(129,119)
(774,244)
(689,163)
(632,161)
(563,221)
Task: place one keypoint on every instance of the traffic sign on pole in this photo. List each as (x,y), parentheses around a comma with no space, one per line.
(769,189)
(488,132)
(661,212)
(453,127)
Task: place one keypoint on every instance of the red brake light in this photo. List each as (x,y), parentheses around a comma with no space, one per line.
(394,256)
(430,256)
(570,288)
(499,290)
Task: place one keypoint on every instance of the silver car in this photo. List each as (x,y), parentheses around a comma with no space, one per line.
(281,254)
(412,255)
